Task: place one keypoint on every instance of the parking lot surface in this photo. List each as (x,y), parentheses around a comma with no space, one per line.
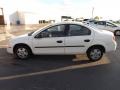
(59,72)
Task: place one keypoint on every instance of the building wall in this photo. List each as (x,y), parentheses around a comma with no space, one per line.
(29,18)
(2,20)
(24,18)
(17,18)
(21,17)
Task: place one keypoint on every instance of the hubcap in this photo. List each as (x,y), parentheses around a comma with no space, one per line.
(22,52)
(95,54)
(117,32)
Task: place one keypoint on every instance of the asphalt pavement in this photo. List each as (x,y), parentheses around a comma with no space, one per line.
(60,72)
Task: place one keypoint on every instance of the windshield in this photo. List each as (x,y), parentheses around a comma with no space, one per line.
(31,33)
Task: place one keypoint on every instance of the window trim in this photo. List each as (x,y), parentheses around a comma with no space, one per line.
(51,27)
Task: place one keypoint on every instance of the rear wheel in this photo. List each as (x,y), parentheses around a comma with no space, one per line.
(95,53)
(117,33)
(22,52)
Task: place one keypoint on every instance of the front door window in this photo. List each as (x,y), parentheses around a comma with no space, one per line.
(55,31)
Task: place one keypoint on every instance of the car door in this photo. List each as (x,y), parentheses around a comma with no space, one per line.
(78,39)
(111,27)
(50,41)
(101,25)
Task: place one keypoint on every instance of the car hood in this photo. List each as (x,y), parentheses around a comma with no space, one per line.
(20,39)
(20,36)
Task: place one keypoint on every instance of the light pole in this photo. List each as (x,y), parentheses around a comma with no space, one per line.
(92,12)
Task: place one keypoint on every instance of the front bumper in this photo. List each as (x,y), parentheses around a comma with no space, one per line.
(10,50)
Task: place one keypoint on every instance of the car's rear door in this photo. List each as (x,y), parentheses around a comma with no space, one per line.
(100,25)
(110,26)
(79,38)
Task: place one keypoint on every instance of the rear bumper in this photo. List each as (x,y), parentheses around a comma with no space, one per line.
(111,47)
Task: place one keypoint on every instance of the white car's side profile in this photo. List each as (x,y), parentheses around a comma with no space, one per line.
(63,39)
(107,25)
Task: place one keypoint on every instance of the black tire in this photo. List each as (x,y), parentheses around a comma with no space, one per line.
(23,54)
(95,53)
(116,33)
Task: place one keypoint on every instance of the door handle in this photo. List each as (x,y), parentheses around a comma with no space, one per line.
(87,40)
(59,41)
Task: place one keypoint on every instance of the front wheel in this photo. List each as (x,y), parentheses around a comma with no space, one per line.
(22,52)
(117,33)
(95,54)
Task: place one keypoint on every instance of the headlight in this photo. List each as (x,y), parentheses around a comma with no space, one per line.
(9,44)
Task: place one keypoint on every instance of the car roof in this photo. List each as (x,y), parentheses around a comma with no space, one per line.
(66,23)
(60,23)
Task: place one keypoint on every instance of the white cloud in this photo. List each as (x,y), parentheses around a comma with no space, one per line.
(107,8)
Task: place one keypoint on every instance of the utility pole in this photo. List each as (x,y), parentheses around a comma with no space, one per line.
(92,12)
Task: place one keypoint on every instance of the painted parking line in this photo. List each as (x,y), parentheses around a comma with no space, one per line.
(104,60)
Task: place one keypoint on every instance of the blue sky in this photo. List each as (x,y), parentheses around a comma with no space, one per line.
(108,9)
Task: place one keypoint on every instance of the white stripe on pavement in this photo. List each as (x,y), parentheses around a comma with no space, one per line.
(104,60)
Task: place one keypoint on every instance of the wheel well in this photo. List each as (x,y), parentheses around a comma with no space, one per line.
(116,30)
(98,46)
(21,44)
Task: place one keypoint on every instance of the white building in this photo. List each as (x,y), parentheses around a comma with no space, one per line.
(24,18)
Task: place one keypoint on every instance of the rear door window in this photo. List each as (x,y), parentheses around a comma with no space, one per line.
(78,30)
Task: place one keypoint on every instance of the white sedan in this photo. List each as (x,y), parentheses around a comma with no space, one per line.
(63,39)
(106,25)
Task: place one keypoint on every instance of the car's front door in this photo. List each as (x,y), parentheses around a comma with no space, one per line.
(50,41)
(78,40)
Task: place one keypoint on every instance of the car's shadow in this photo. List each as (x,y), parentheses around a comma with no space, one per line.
(11,66)
(49,61)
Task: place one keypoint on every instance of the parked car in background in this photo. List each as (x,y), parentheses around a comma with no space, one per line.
(88,21)
(63,39)
(106,25)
